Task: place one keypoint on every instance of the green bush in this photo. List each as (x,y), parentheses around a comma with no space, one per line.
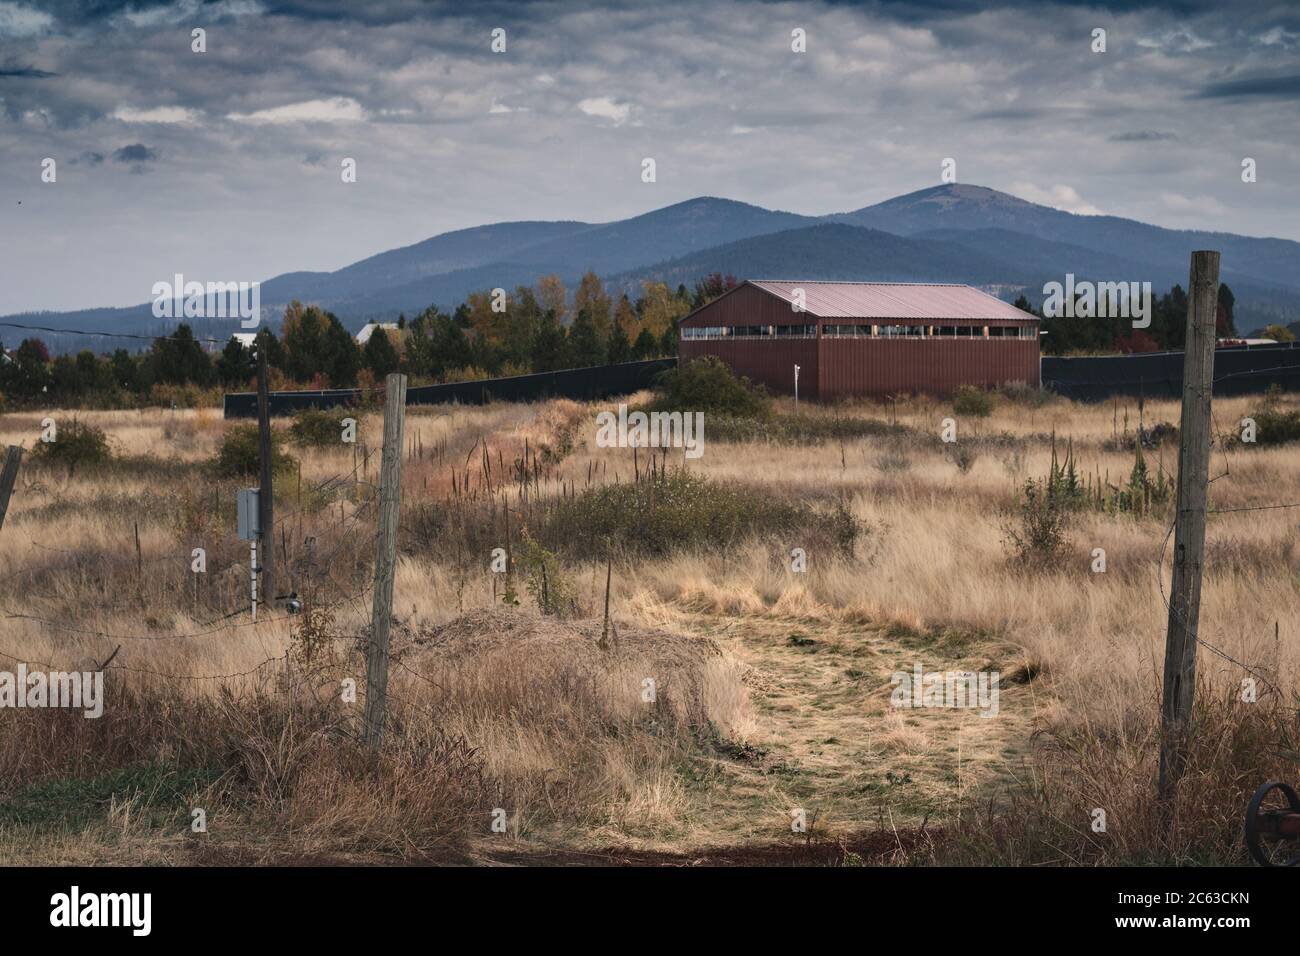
(678,510)
(1273,426)
(239,454)
(76,444)
(1036,531)
(708,385)
(551,589)
(317,428)
(1018,393)
(969,400)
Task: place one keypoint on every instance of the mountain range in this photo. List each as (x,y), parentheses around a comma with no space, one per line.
(949,233)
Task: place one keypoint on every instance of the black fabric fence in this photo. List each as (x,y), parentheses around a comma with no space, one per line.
(1238,370)
(577,383)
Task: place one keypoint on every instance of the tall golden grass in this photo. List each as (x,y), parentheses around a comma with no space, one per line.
(503,708)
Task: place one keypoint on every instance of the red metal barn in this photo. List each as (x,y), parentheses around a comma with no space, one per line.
(865,338)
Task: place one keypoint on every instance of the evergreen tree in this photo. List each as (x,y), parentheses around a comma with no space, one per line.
(342,358)
(585,346)
(304,342)
(123,369)
(668,342)
(266,339)
(1225,321)
(620,349)
(550,347)
(179,359)
(235,364)
(379,355)
(448,345)
(646,345)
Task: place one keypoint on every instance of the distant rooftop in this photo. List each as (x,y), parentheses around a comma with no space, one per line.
(369,329)
(892,300)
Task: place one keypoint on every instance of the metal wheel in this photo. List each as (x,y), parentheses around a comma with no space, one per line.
(1273,825)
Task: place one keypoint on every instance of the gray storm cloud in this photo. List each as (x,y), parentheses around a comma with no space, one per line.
(244,143)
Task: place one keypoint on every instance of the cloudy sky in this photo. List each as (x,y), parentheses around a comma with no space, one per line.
(225,165)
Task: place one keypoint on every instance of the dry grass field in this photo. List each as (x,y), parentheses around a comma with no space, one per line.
(771,687)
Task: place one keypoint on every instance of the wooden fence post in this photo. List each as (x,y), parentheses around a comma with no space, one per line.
(1189,525)
(13,457)
(390,503)
(266,491)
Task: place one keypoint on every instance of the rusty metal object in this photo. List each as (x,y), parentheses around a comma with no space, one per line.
(1273,831)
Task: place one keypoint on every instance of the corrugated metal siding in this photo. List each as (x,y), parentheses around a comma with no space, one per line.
(839,366)
(770,363)
(879,367)
(747,305)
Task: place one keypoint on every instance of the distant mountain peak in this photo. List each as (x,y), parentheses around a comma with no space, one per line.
(952,193)
(953,232)
(707,204)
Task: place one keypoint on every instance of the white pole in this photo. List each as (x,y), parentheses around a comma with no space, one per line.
(796,388)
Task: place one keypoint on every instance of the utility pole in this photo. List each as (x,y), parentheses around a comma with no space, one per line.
(265,496)
(13,457)
(1189,526)
(390,504)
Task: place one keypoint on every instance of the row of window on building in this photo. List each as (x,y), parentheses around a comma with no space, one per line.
(751,332)
(860,330)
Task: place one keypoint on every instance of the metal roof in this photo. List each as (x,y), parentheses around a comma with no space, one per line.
(892,300)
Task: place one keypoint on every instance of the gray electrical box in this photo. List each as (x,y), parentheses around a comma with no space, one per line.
(250,523)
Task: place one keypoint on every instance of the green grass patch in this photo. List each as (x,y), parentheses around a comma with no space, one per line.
(161,793)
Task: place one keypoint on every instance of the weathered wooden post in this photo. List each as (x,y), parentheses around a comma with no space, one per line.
(1189,525)
(390,503)
(13,458)
(266,495)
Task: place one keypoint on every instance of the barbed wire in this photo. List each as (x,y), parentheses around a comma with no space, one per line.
(1160,581)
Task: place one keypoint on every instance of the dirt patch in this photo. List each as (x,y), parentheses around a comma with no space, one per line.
(871,848)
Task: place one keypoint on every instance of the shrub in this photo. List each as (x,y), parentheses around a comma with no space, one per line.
(892,459)
(239,454)
(185,396)
(797,429)
(76,444)
(316,428)
(1036,531)
(470,373)
(1018,393)
(963,456)
(708,385)
(554,592)
(1275,427)
(680,510)
(969,400)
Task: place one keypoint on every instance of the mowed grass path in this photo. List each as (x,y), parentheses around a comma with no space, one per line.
(827,741)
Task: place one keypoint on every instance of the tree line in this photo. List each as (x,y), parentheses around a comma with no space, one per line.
(1167,331)
(538,328)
